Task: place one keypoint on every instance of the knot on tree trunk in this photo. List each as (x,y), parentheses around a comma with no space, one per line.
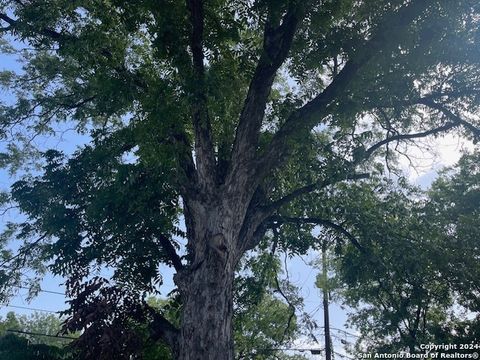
(219,245)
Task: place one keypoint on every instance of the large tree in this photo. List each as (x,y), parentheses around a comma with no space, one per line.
(227,116)
(417,280)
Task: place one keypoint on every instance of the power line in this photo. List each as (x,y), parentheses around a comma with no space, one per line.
(29,308)
(313,351)
(40,290)
(40,334)
(343,355)
(342,331)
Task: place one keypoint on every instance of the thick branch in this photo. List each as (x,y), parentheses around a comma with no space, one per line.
(252,233)
(188,180)
(258,216)
(277,40)
(312,187)
(7,19)
(204,151)
(171,252)
(47,32)
(322,222)
(162,329)
(311,114)
(196,36)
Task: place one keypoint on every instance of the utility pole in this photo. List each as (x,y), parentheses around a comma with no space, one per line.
(326,315)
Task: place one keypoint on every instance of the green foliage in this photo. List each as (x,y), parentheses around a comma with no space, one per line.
(355,76)
(93,204)
(416,280)
(454,210)
(33,347)
(18,348)
(266,309)
(263,329)
(35,323)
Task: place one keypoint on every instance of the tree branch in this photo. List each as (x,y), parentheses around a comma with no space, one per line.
(322,222)
(204,150)
(162,329)
(277,41)
(253,235)
(7,19)
(257,217)
(47,32)
(24,250)
(72,106)
(455,121)
(311,114)
(399,137)
(453,117)
(312,187)
(188,180)
(291,307)
(171,252)
(61,38)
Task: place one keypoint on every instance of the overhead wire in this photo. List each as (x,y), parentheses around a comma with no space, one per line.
(30,308)
(40,334)
(41,290)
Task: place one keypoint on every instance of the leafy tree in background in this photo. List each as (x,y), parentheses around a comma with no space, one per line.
(263,330)
(265,308)
(232,117)
(417,279)
(39,323)
(455,215)
(32,347)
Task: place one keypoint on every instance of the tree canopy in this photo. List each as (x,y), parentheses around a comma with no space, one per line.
(215,127)
(416,279)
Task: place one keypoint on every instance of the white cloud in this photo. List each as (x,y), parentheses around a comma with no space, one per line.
(423,160)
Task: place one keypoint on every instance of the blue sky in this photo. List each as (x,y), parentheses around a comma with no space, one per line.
(68,142)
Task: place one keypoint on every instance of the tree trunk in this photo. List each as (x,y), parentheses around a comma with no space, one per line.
(206,330)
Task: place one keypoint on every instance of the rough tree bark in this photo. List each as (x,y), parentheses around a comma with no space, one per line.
(206,331)
(206,286)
